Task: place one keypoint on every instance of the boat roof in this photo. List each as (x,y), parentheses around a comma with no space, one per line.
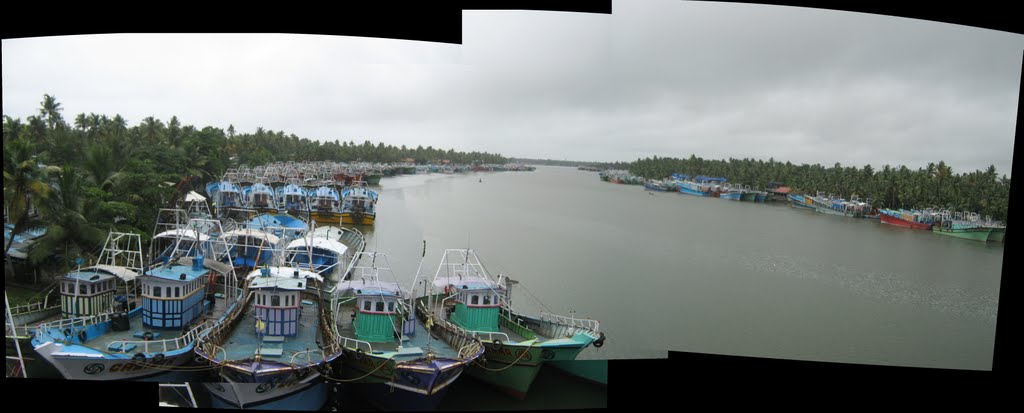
(105,272)
(174,271)
(193,196)
(470,282)
(276,220)
(255,233)
(182,233)
(370,287)
(319,242)
(280,277)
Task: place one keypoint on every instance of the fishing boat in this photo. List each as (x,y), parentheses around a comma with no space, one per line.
(731,193)
(359,205)
(292,199)
(998,233)
(465,299)
(260,198)
(387,342)
(838,206)
(284,226)
(226,195)
(908,218)
(125,321)
(325,205)
(962,225)
(801,201)
(760,196)
(747,194)
(656,185)
(327,251)
(274,356)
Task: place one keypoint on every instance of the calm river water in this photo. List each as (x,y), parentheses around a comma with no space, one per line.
(666,271)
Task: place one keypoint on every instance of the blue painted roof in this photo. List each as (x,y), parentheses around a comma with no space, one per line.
(174,272)
(86,275)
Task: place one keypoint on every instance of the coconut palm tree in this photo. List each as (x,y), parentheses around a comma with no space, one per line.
(23,185)
(68,232)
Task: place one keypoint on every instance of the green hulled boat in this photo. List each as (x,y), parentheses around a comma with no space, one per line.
(997,234)
(516,345)
(971,233)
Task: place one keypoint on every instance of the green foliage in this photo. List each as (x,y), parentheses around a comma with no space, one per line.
(934,186)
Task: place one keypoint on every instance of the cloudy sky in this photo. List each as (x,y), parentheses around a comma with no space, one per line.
(666,78)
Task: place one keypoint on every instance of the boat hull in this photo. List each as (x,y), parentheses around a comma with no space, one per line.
(974,234)
(310,394)
(422,377)
(510,368)
(749,196)
(326,218)
(800,202)
(732,196)
(689,191)
(595,371)
(997,235)
(351,219)
(891,220)
(75,362)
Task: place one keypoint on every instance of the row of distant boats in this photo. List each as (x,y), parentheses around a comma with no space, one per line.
(276,306)
(966,225)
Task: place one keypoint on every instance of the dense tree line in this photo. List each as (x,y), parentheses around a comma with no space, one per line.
(97,173)
(553,162)
(984,192)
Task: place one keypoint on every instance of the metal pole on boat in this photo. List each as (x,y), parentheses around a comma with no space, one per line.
(14,331)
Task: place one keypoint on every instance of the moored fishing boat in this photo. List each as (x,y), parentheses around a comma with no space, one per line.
(747,194)
(276,354)
(656,185)
(129,322)
(962,225)
(326,251)
(359,205)
(731,193)
(292,198)
(908,218)
(801,201)
(325,205)
(260,198)
(387,342)
(471,302)
(226,195)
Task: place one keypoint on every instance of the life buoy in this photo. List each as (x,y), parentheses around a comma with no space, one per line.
(139,357)
(67,332)
(82,336)
(158,357)
(599,342)
(497,344)
(359,354)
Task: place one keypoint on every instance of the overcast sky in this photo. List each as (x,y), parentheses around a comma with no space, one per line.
(665,78)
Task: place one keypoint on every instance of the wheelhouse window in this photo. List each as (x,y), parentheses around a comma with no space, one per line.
(380,306)
(367,305)
(391,306)
(156,291)
(474,299)
(487,300)
(275,301)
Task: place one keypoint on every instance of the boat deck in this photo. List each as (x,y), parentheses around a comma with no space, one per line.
(421,339)
(243,343)
(134,333)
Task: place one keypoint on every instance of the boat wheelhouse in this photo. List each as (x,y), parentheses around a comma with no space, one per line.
(273,355)
(467,300)
(388,346)
(359,205)
(260,197)
(292,198)
(325,205)
(327,251)
(154,322)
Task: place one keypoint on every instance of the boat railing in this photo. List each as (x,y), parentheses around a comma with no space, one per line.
(308,354)
(171,344)
(31,307)
(356,344)
(73,322)
(592,325)
(487,335)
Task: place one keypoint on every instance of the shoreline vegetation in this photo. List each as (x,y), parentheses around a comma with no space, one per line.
(78,180)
